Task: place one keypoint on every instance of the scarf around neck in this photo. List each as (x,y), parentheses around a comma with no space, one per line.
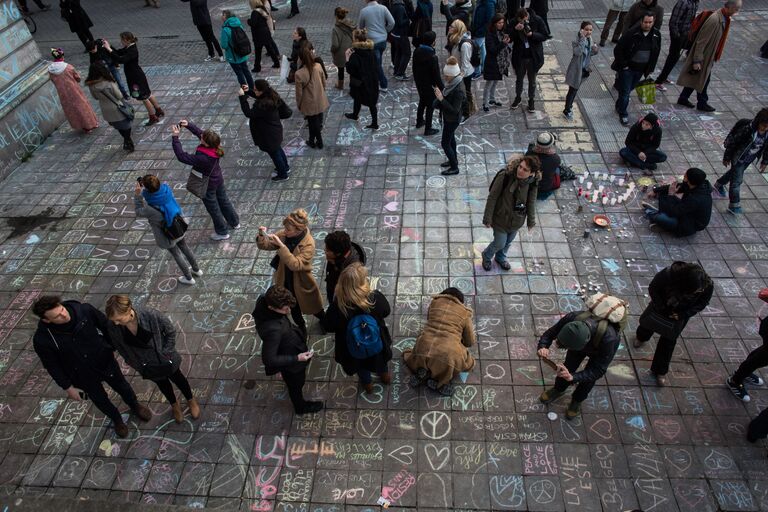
(721,43)
(450,86)
(164,201)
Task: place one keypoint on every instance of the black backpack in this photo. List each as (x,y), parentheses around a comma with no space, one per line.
(239,42)
(499,173)
(475,58)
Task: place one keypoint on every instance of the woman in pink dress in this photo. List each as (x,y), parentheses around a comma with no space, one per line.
(76,107)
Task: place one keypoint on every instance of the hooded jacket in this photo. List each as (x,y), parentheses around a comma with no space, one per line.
(665,299)
(363,74)
(600,356)
(638,140)
(158,218)
(281,341)
(506,193)
(341,40)
(162,345)
(264,122)
(693,211)
(226,41)
(205,160)
(740,138)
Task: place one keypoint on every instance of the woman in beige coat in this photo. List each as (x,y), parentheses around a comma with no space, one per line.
(293,264)
(311,99)
(441,351)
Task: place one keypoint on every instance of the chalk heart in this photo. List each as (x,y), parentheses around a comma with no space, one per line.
(690,494)
(602,428)
(437,457)
(403,454)
(370,425)
(678,458)
(463,396)
(391,206)
(246,322)
(667,427)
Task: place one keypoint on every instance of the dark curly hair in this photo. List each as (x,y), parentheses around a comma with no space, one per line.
(278,296)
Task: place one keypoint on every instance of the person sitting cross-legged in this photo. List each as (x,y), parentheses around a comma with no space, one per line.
(684,208)
(642,144)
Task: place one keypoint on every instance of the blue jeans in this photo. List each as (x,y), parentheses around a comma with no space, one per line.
(499,245)
(244,76)
(734,176)
(280,161)
(220,209)
(365,375)
(652,156)
(480,41)
(120,84)
(662,219)
(378,51)
(626,81)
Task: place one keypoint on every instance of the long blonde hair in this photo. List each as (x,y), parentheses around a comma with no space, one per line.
(461,29)
(353,290)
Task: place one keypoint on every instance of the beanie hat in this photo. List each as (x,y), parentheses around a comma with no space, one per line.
(57,53)
(545,140)
(298,218)
(651,118)
(574,335)
(696,176)
(451,70)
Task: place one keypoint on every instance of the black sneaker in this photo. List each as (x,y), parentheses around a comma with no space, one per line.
(738,389)
(310,408)
(446,164)
(431,131)
(753,380)
(516,103)
(446,390)
(531,107)
(279,178)
(450,172)
(422,374)
(487,265)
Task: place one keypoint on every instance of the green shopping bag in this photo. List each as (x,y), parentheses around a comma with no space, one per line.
(646,91)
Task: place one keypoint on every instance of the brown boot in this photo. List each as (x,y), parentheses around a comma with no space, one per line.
(159,112)
(153,119)
(143,412)
(340,84)
(386,377)
(194,408)
(121,429)
(178,416)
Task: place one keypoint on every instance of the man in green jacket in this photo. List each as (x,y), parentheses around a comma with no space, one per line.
(511,201)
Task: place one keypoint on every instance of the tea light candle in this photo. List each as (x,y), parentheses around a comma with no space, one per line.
(612,178)
(589,185)
(594,197)
(621,182)
(613,201)
(581,179)
(621,199)
(605,200)
(600,189)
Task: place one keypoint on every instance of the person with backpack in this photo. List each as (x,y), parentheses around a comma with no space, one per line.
(684,208)
(618,9)
(284,346)
(758,358)
(578,68)
(262,31)
(496,64)
(340,252)
(311,98)
(450,101)
(511,203)
(545,149)
(237,47)
(421,23)
(745,143)
(356,316)
(481,23)
(584,334)
(463,49)
(642,143)
(441,351)
(295,249)
(426,75)
(707,46)
(341,41)
(201,18)
(528,35)
(363,77)
(155,202)
(678,292)
(264,122)
(680,22)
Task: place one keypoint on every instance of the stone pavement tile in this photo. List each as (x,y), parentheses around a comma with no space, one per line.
(101,473)
(132,474)
(733,495)
(71,472)
(228,480)
(163,477)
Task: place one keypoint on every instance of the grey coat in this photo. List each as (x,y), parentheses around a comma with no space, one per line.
(104,91)
(163,340)
(573,75)
(156,221)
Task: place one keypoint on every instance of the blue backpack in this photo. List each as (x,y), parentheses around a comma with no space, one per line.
(363,337)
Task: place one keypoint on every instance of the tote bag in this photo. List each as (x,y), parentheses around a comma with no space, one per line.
(197,184)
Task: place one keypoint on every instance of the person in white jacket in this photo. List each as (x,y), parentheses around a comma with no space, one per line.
(460,46)
(618,10)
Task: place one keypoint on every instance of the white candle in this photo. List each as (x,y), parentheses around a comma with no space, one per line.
(600,189)
(589,185)
(621,182)
(581,179)
(605,200)
(594,197)
(612,178)
(621,199)
(613,201)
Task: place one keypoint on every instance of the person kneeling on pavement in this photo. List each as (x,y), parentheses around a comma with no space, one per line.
(441,351)
(582,339)
(642,144)
(684,208)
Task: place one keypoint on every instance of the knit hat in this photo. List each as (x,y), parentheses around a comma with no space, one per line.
(545,140)
(574,335)
(651,118)
(298,218)
(451,70)
(57,53)
(696,176)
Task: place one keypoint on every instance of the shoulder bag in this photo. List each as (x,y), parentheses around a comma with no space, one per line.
(125,109)
(177,228)
(162,369)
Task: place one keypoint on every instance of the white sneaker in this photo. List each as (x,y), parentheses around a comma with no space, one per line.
(197,273)
(274,173)
(208,59)
(238,226)
(184,280)
(218,237)
(222,59)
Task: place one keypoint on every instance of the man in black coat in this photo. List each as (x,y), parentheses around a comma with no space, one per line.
(642,144)
(284,348)
(340,252)
(202,20)
(72,341)
(528,35)
(634,57)
(581,338)
(401,46)
(683,209)
(426,74)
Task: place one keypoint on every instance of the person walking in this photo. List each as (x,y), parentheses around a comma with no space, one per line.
(311,98)
(497,46)
(680,22)
(24,8)
(340,252)
(745,143)
(450,101)
(758,358)
(401,46)
(146,339)
(299,40)
(128,56)
(545,149)
(426,75)
(350,316)
(684,208)
(363,80)
(677,293)
(264,121)
(511,203)
(201,18)
(79,22)
(618,10)
(341,41)
(160,210)
(114,110)
(641,147)
(97,53)
(76,107)
(578,68)
(581,339)
(441,351)
(294,9)
(73,343)
(378,23)
(205,162)
(232,33)
(633,58)
(460,47)
(705,50)
(284,347)
(263,30)
(421,22)
(481,23)
(640,9)
(293,264)
(528,36)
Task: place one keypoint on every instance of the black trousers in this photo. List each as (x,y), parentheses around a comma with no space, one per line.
(294,7)
(468,100)
(758,358)
(570,98)
(206,32)
(315,128)
(356,106)
(98,394)
(526,67)
(425,110)
(675,47)
(295,384)
(401,54)
(664,350)
(181,382)
(272,51)
(572,361)
(341,74)
(84,36)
